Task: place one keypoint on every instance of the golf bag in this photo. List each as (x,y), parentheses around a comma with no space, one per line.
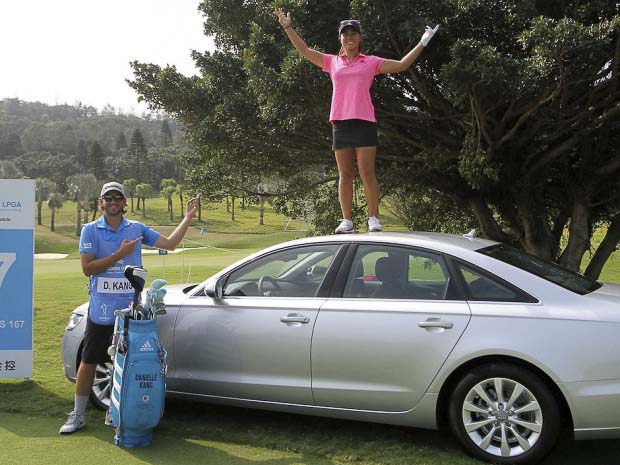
(138,386)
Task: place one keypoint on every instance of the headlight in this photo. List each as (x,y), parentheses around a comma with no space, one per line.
(74,320)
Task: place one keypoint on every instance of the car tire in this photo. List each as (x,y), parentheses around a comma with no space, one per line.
(102,386)
(519,427)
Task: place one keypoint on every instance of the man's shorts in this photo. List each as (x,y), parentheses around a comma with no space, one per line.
(97,339)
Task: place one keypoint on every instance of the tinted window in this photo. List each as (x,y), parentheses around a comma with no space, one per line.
(544,269)
(384,272)
(296,272)
(486,287)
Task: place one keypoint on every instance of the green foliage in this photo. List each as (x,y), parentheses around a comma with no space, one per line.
(62,140)
(137,154)
(513,109)
(9,170)
(54,203)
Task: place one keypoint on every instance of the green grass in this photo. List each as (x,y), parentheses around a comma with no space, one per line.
(31,411)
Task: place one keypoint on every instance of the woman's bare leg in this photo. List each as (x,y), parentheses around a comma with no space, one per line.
(345,159)
(366,160)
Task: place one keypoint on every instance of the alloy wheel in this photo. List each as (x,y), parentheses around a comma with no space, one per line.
(502,417)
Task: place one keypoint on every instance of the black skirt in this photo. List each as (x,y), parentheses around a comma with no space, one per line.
(351,133)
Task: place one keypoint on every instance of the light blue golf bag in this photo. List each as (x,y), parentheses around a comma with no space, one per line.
(139,385)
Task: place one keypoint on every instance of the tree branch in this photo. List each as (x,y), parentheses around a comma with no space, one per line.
(558,150)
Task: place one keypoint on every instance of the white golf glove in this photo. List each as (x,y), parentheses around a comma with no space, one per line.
(429,32)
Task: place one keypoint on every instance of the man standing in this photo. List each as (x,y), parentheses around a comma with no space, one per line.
(107,245)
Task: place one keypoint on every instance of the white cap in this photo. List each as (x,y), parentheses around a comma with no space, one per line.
(112,186)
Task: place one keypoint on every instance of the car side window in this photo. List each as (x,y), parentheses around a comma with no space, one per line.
(384,272)
(296,272)
(486,287)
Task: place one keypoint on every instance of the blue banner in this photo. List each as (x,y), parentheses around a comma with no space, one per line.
(16,277)
(15,290)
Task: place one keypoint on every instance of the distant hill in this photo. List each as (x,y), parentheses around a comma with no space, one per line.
(57,141)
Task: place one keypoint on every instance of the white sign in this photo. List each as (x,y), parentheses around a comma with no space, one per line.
(16,277)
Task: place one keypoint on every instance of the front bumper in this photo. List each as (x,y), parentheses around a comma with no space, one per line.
(72,343)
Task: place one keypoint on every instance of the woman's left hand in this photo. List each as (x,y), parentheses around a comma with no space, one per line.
(429,32)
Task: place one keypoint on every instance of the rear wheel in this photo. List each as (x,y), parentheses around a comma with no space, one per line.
(503,413)
(102,386)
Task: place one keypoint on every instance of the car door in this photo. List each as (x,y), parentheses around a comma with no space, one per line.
(379,344)
(254,342)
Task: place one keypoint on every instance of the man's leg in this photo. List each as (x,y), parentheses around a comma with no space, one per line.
(83,386)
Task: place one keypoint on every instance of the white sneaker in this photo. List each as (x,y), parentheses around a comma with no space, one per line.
(374,225)
(73,423)
(108,416)
(345,227)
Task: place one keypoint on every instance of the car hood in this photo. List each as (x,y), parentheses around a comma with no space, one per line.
(176,293)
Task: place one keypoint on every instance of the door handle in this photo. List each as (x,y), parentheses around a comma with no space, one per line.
(294,318)
(436,323)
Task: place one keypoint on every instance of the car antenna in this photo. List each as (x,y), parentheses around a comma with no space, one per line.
(471,234)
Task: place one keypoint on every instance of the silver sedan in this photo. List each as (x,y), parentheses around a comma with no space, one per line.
(416,329)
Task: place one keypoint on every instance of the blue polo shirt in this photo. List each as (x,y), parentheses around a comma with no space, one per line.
(110,290)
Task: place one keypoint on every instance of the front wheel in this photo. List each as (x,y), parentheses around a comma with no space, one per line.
(102,386)
(503,413)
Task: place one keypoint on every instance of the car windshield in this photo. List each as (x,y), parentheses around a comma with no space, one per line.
(547,270)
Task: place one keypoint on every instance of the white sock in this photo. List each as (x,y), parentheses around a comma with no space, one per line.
(80,404)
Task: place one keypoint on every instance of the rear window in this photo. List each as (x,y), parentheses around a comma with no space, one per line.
(547,270)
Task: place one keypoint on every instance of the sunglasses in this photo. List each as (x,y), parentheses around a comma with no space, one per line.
(350,21)
(113,198)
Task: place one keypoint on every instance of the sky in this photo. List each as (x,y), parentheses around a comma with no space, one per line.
(69,51)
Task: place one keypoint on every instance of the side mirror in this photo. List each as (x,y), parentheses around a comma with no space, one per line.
(213,289)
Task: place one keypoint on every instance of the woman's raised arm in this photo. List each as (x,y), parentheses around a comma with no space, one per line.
(313,56)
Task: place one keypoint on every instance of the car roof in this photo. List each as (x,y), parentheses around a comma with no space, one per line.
(437,241)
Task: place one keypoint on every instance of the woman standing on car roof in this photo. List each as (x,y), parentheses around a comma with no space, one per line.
(354,126)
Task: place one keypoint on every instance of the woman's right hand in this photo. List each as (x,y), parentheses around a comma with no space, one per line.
(284,19)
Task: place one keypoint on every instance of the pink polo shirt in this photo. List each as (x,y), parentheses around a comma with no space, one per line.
(351,83)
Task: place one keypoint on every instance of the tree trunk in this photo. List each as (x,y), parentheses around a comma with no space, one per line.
(131,203)
(182,206)
(559,223)
(261,210)
(578,235)
(227,205)
(537,237)
(607,246)
(143,207)
(170,208)
(78,229)
(489,226)
(232,208)
(52,220)
(39,206)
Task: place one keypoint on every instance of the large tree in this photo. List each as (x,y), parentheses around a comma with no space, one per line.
(55,203)
(83,188)
(43,188)
(137,154)
(512,114)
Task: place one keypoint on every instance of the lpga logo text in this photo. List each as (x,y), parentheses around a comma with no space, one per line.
(11,205)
